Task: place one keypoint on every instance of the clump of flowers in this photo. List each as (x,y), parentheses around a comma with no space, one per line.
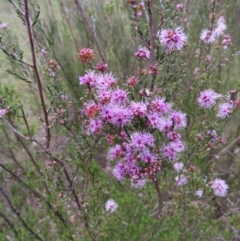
(209,36)
(135,154)
(137,8)
(207,99)
(85,55)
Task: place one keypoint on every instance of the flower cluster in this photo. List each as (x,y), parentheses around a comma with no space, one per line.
(85,55)
(133,124)
(137,8)
(207,99)
(208,36)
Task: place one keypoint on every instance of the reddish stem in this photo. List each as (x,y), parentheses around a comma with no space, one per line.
(36,72)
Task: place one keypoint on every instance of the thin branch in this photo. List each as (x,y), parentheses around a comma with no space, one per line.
(35,69)
(14,130)
(151,36)
(17,213)
(35,193)
(159,198)
(10,224)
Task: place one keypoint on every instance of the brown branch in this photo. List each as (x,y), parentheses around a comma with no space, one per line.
(151,36)
(159,198)
(36,72)
(90,30)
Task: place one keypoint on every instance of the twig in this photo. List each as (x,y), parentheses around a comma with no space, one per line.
(151,36)
(35,69)
(159,198)
(14,130)
(35,193)
(10,224)
(17,213)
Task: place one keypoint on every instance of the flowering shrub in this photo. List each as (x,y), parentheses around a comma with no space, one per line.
(135,156)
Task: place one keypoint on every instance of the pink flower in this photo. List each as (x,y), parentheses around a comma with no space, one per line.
(153,120)
(132,81)
(199,193)
(107,112)
(208,58)
(4,26)
(165,124)
(3,112)
(101,67)
(141,140)
(219,187)
(89,79)
(179,119)
(171,150)
(85,55)
(122,116)
(138,108)
(221,27)
(179,6)
(178,145)
(181,180)
(119,96)
(227,41)
(138,14)
(95,126)
(178,166)
(116,115)
(104,96)
(114,152)
(147,157)
(224,110)
(43,52)
(104,81)
(118,171)
(172,39)
(143,52)
(207,36)
(207,98)
(111,206)
(138,183)
(159,105)
(173,136)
